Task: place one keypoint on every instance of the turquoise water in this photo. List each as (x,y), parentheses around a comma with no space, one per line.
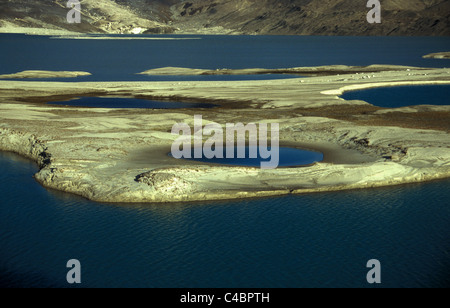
(316,240)
(394,97)
(288,157)
(115,102)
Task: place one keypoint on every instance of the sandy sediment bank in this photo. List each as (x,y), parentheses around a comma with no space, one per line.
(36,74)
(438,55)
(116,38)
(365,86)
(307,71)
(121,155)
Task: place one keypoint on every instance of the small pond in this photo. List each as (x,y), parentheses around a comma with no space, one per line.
(288,157)
(134,103)
(402,96)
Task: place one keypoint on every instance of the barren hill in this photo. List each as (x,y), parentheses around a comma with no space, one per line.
(294,17)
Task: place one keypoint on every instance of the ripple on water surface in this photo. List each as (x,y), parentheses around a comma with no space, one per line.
(314,240)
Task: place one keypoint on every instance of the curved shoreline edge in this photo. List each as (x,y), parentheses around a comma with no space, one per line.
(341,91)
(99,154)
(169,180)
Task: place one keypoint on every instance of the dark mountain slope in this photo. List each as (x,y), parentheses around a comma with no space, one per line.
(299,17)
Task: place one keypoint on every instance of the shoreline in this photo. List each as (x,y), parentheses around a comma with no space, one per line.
(24,158)
(257,194)
(99,154)
(343,90)
(327,70)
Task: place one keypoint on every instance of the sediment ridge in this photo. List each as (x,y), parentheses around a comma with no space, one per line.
(121,155)
(38,74)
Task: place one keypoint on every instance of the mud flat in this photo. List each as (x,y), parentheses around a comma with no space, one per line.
(111,155)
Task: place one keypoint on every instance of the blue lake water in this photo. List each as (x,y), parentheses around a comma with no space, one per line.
(117,102)
(394,97)
(315,240)
(288,157)
(119,60)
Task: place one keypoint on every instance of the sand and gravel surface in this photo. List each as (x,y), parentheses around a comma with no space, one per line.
(121,155)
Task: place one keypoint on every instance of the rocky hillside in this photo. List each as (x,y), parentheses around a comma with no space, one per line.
(316,17)
(98,16)
(299,17)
